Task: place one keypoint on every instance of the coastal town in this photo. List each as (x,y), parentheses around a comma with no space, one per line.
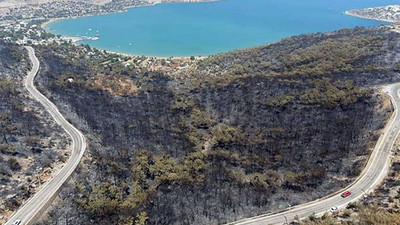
(301,129)
(67,9)
(71,8)
(385,13)
(389,13)
(31,32)
(25,24)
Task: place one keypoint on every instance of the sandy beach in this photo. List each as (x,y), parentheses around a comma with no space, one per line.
(48,22)
(142,49)
(76,39)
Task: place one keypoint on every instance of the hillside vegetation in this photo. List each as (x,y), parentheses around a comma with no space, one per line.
(27,143)
(355,214)
(243,133)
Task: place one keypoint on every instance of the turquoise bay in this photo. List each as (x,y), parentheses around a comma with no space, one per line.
(185,29)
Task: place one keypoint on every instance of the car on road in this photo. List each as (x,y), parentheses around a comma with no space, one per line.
(17,222)
(345,194)
(333,209)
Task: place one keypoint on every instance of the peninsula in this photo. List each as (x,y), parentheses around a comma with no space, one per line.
(298,131)
(11,10)
(389,13)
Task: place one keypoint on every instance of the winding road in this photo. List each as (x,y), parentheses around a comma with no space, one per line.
(373,174)
(35,206)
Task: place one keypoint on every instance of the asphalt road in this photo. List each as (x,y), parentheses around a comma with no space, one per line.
(36,204)
(373,174)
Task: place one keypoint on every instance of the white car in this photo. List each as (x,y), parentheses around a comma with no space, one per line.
(17,222)
(333,209)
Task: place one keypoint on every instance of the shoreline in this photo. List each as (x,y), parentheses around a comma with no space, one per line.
(348,12)
(52,20)
(45,24)
(76,39)
(149,56)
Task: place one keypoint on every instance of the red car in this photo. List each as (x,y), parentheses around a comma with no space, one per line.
(345,194)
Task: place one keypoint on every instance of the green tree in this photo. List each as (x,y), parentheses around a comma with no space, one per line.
(136,198)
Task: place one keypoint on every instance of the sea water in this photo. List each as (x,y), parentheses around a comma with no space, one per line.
(192,29)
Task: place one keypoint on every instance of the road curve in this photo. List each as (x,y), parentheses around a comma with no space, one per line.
(373,174)
(38,203)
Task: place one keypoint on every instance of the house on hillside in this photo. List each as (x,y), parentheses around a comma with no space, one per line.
(396,25)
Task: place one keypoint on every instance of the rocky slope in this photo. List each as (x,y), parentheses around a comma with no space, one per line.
(242,134)
(31,144)
(379,207)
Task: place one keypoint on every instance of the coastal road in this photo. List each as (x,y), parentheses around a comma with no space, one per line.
(373,174)
(42,199)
